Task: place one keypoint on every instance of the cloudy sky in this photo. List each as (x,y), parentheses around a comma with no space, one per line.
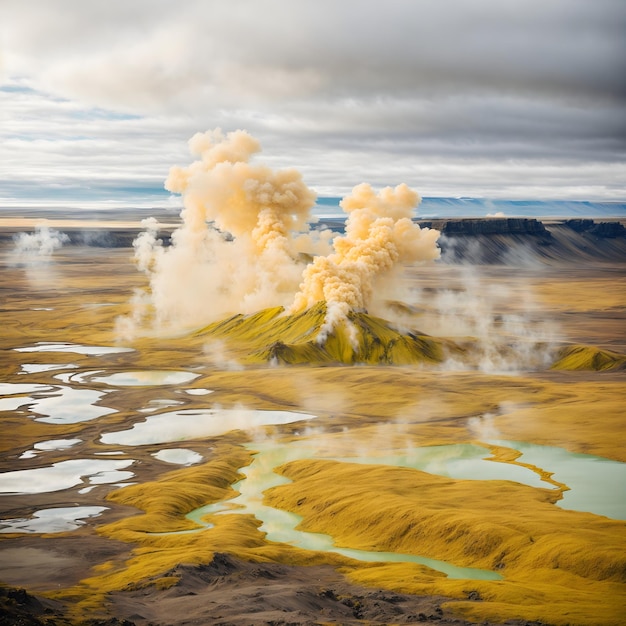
(518,99)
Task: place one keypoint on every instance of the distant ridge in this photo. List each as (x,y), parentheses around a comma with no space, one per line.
(498,238)
(450,207)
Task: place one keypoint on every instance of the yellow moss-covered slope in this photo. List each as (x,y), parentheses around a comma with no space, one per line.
(567,567)
(159,546)
(272,336)
(580,357)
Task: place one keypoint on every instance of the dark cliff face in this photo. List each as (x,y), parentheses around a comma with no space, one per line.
(609,230)
(489,226)
(515,241)
(523,226)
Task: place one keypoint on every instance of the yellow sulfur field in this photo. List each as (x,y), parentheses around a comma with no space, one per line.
(351,440)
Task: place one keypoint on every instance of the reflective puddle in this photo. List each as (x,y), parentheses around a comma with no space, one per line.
(159,403)
(64,475)
(178,456)
(138,379)
(59,520)
(54,404)
(47,446)
(193,424)
(17,391)
(50,346)
(36,368)
(596,485)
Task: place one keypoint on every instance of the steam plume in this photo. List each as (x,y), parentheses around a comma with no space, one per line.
(37,247)
(245,235)
(379,237)
(237,249)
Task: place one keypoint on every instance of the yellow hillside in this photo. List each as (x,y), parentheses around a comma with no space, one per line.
(588,358)
(564,566)
(272,336)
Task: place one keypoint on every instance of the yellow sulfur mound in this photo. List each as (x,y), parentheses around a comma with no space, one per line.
(270,336)
(580,357)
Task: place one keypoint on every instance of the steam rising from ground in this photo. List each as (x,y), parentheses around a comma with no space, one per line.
(506,339)
(380,237)
(37,247)
(33,253)
(245,242)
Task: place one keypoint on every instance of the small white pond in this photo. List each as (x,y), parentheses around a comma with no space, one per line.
(64,475)
(36,368)
(58,520)
(47,446)
(56,404)
(138,378)
(178,456)
(195,424)
(50,346)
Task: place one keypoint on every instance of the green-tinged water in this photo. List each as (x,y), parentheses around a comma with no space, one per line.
(595,485)
(281,526)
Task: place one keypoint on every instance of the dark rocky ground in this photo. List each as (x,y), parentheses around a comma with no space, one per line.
(229,592)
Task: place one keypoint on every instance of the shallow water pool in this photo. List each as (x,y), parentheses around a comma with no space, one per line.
(36,368)
(280,526)
(198,423)
(178,456)
(64,475)
(145,378)
(47,446)
(51,346)
(57,520)
(54,404)
(596,485)
(586,477)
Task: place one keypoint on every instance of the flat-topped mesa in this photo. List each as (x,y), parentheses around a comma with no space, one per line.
(489,226)
(607,230)
(271,336)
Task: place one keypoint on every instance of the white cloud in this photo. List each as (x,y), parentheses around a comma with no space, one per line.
(492,97)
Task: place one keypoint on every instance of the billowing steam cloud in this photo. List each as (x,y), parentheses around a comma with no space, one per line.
(245,241)
(379,236)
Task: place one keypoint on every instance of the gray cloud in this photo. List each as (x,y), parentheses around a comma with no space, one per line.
(345,91)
